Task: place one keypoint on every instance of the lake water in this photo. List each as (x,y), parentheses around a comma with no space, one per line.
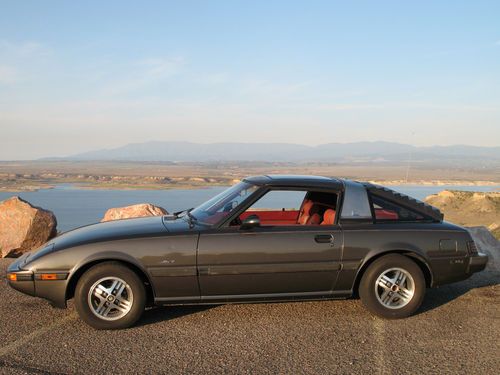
(75,207)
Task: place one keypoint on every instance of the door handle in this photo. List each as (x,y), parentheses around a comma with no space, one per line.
(324,238)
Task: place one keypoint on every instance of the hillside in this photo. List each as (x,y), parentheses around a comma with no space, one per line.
(469,208)
(375,152)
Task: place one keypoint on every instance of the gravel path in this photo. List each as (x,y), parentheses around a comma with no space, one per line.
(456,331)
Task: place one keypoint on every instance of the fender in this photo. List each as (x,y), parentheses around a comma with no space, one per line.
(100,257)
(398,248)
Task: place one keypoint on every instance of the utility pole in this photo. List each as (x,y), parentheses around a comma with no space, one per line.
(409,159)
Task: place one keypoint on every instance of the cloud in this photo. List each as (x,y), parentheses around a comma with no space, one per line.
(259,87)
(142,74)
(22,50)
(392,106)
(17,60)
(214,78)
(350,107)
(8,74)
(160,68)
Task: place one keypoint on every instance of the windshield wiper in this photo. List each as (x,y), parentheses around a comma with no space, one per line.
(187,213)
(192,218)
(179,213)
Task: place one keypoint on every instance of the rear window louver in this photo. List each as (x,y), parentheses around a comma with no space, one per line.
(405,200)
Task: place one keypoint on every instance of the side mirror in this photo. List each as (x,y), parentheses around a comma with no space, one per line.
(250,222)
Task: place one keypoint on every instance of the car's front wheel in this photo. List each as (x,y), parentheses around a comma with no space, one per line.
(110,296)
(392,287)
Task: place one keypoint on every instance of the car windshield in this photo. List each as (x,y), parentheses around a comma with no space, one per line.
(220,206)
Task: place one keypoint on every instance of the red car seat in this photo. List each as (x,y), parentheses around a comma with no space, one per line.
(328,217)
(308,214)
(314,219)
(305,212)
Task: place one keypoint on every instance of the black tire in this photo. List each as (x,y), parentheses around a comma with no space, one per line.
(373,295)
(134,287)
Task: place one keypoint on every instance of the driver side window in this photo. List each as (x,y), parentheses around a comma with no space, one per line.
(294,207)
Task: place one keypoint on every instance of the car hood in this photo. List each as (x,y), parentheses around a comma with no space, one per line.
(119,230)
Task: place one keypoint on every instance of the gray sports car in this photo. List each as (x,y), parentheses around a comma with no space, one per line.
(267,238)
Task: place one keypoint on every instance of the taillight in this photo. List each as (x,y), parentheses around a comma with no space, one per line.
(471,245)
(12,277)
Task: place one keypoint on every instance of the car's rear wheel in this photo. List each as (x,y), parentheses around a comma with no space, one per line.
(392,287)
(110,296)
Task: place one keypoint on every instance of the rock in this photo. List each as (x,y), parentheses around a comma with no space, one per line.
(488,244)
(24,227)
(469,208)
(442,198)
(137,210)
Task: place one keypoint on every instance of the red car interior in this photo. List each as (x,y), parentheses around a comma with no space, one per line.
(382,214)
(273,217)
(310,213)
(315,219)
(328,217)
(305,212)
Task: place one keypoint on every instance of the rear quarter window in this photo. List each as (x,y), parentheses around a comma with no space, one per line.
(386,211)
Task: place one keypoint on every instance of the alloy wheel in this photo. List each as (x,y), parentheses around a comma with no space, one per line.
(110,298)
(394,288)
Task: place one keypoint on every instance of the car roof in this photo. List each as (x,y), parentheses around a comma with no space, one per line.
(296,181)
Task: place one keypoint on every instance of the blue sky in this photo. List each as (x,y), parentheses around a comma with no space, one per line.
(91,75)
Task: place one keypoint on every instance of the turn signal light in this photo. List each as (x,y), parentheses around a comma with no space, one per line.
(48,276)
(12,277)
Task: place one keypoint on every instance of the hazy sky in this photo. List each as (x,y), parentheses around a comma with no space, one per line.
(89,75)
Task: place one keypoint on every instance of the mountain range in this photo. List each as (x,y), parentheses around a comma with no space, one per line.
(285,152)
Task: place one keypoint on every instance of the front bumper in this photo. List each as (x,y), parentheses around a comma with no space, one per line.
(34,283)
(24,280)
(477,263)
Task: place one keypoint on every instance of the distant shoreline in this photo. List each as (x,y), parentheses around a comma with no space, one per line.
(139,186)
(32,176)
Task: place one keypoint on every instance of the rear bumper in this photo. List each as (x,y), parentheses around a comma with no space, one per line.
(477,263)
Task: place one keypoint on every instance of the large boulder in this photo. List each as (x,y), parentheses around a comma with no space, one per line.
(137,210)
(488,244)
(24,227)
(469,208)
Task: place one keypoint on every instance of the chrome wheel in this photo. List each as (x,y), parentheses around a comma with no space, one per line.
(395,288)
(110,298)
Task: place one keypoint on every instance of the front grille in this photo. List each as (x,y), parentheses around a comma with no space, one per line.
(471,245)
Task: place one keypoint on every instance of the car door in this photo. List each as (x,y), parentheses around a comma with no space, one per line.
(269,260)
